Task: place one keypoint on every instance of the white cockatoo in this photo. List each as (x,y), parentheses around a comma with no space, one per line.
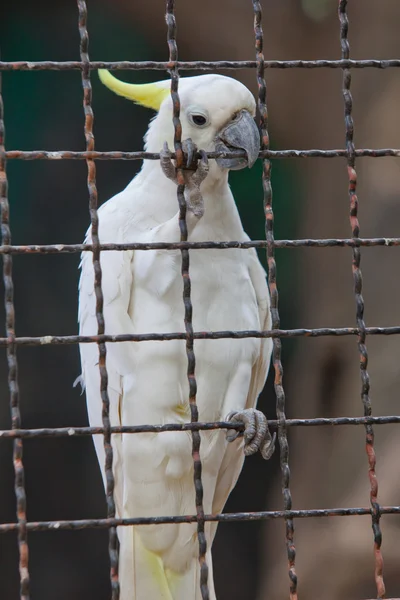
(147,381)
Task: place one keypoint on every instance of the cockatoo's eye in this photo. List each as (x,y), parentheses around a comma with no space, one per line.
(198,119)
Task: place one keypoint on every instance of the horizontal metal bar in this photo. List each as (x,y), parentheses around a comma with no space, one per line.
(221,518)
(198,65)
(55,340)
(307,243)
(142,155)
(273,424)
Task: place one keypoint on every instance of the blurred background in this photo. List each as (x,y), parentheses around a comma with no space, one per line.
(43,110)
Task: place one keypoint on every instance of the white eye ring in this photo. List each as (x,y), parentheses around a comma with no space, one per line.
(198,118)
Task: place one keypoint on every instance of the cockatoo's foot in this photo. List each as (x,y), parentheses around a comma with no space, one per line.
(256,433)
(194,174)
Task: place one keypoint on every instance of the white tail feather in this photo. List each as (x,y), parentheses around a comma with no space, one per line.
(143,576)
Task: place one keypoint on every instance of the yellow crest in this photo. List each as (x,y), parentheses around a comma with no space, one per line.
(150,95)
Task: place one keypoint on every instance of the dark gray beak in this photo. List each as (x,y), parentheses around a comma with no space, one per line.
(240,134)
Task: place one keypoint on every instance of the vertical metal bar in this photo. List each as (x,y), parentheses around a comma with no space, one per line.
(277,344)
(19,484)
(357,276)
(197,467)
(91,181)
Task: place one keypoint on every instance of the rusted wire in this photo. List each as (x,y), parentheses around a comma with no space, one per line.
(277,345)
(199,65)
(197,335)
(206,335)
(187,302)
(197,426)
(265,153)
(221,518)
(357,275)
(307,243)
(19,481)
(91,182)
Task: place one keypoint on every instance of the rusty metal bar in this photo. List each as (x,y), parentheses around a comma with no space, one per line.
(19,481)
(141,155)
(197,426)
(221,518)
(357,276)
(272,284)
(92,188)
(198,65)
(305,243)
(197,335)
(187,302)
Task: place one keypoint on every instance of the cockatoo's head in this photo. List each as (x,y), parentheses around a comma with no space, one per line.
(217,113)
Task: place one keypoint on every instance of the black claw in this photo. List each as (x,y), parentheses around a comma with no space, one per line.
(232,434)
(190,150)
(204,157)
(268,447)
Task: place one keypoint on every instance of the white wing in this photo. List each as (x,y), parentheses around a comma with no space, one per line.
(116,287)
(233,459)
(260,369)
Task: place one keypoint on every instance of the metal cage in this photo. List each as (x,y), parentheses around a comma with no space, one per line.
(11,342)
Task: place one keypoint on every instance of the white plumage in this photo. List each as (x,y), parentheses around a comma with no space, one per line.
(147,380)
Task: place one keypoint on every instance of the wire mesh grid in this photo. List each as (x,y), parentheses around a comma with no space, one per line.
(12,342)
